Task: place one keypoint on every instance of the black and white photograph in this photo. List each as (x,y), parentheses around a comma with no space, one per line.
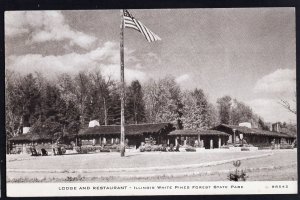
(151,101)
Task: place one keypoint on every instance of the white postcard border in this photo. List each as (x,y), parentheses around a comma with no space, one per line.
(150,188)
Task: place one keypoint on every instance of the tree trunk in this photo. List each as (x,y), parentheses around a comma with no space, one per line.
(20,125)
(105,112)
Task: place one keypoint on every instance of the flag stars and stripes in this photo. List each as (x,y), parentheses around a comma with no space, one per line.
(131,22)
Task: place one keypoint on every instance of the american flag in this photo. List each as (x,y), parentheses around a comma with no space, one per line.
(131,22)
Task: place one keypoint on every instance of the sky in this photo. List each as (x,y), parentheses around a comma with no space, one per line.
(247,53)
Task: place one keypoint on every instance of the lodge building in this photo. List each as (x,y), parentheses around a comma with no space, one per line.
(255,136)
(162,133)
(135,134)
(20,143)
(207,139)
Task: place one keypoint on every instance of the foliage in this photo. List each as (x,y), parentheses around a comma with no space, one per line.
(135,106)
(290,106)
(232,111)
(198,113)
(224,105)
(240,113)
(237,175)
(190,148)
(149,147)
(262,125)
(62,107)
(114,111)
(87,149)
(286,146)
(23,99)
(163,101)
(13,116)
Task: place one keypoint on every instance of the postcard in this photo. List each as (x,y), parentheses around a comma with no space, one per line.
(196,101)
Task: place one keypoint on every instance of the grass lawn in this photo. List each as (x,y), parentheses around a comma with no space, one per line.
(113,160)
(281,165)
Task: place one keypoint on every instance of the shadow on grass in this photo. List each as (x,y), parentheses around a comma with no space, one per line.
(132,155)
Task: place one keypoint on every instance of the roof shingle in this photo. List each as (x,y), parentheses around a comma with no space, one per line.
(131,129)
(188,132)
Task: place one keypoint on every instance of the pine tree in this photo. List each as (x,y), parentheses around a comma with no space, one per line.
(114,110)
(13,105)
(83,98)
(100,100)
(27,100)
(224,105)
(240,112)
(197,113)
(163,101)
(135,107)
(52,116)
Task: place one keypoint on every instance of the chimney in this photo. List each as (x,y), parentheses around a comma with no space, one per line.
(276,127)
(245,124)
(93,123)
(26,130)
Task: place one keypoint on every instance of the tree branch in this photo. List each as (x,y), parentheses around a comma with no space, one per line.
(287,106)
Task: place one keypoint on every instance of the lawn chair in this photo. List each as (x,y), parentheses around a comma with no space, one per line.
(171,147)
(34,152)
(59,151)
(177,147)
(44,152)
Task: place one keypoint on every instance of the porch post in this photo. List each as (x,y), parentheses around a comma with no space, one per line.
(211,144)
(233,139)
(219,143)
(199,141)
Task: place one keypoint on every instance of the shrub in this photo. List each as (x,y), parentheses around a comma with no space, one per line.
(84,150)
(142,148)
(77,149)
(28,150)
(17,151)
(224,147)
(87,149)
(245,149)
(104,150)
(189,148)
(149,147)
(155,148)
(112,148)
(63,150)
(286,146)
(237,175)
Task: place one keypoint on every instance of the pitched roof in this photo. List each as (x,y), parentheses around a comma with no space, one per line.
(29,137)
(252,131)
(198,132)
(130,129)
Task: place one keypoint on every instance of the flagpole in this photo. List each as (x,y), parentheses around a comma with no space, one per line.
(122,137)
